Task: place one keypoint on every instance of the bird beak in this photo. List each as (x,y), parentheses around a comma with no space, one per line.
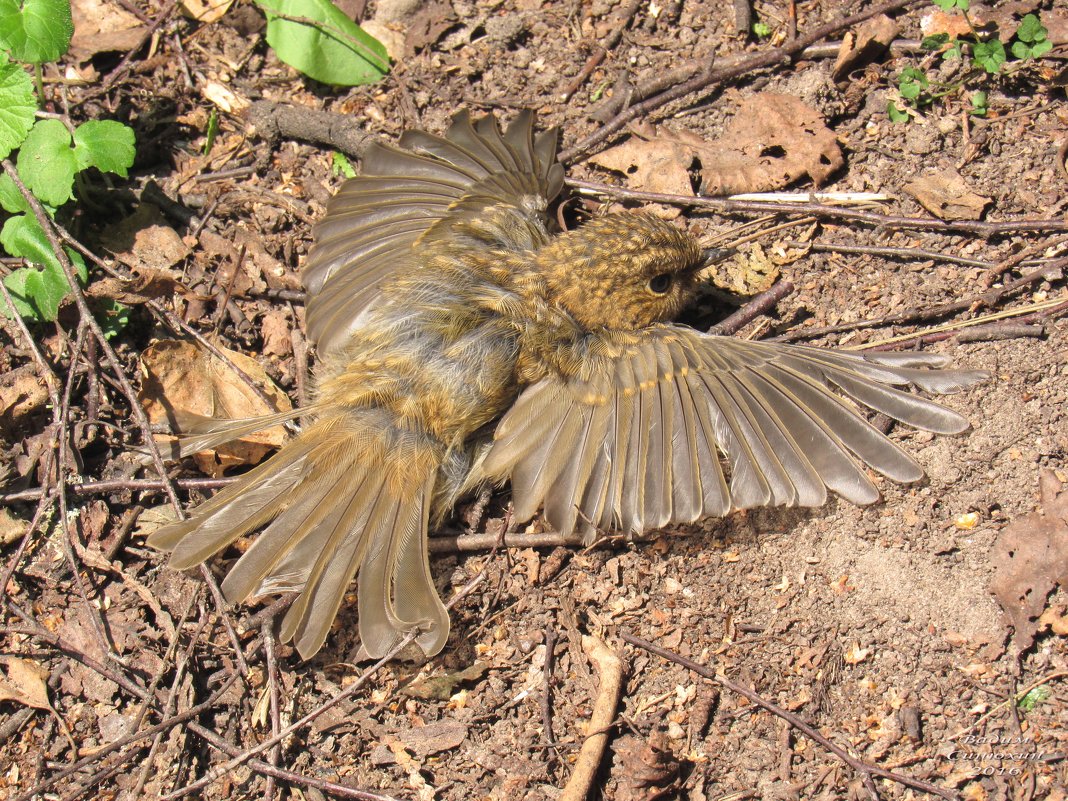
(716,255)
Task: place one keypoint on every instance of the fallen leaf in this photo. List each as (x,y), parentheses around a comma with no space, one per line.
(180,379)
(433,20)
(1030,558)
(206,11)
(103,27)
(869,42)
(433,738)
(772,141)
(224,98)
(946,195)
(275,329)
(11,528)
(24,682)
(144,241)
(22,392)
(441,688)
(645,768)
(147,283)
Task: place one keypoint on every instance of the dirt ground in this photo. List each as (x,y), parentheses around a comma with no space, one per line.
(877,626)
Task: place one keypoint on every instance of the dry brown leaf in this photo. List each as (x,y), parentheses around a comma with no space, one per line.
(1030,558)
(22,392)
(870,41)
(947,196)
(772,141)
(144,241)
(654,165)
(103,27)
(645,768)
(433,738)
(275,330)
(206,11)
(11,528)
(146,284)
(24,682)
(181,379)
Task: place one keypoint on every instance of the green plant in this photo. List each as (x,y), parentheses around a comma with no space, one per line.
(317,38)
(761,30)
(1031,39)
(1034,698)
(51,153)
(988,54)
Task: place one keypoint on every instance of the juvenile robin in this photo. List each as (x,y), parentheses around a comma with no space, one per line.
(460,342)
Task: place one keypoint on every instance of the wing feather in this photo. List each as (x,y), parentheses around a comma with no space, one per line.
(638,440)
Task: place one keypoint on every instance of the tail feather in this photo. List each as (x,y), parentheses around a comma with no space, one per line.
(342,498)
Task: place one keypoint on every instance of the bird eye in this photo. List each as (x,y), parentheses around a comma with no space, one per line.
(659,284)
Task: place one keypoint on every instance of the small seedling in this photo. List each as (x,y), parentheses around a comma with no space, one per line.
(339,165)
(1034,698)
(1031,39)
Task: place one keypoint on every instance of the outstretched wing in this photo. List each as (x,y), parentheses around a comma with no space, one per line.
(635,443)
(421,189)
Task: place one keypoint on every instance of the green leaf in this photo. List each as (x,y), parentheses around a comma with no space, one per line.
(37,292)
(315,37)
(934,42)
(11,199)
(989,55)
(17,106)
(949,5)
(980,104)
(761,30)
(896,114)
(1031,30)
(47,163)
(21,236)
(1024,51)
(339,165)
(1034,698)
(35,31)
(105,144)
(113,317)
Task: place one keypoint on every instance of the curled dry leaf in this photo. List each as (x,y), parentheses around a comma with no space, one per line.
(206,11)
(946,195)
(869,42)
(24,683)
(1030,558)
(181,382)
(22,392)
(146,284)
(103,27)
(772,141)
(646,768)
(144,241)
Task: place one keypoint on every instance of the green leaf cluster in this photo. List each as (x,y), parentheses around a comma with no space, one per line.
(317,38)
(49,154)
(987,54)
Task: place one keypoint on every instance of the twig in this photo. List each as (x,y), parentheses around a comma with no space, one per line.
(120,485)
(547,677)
(712,75)
(482,542)
(757,306)
(272,688)
(984,229)
(1050,271)
(863,768)
(610,688)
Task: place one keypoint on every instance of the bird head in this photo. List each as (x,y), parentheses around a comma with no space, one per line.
(623,271)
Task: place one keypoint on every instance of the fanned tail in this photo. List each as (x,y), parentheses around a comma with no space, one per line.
(333,505)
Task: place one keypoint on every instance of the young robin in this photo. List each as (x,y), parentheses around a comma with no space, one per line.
(460,342)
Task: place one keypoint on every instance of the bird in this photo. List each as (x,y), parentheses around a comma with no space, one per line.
(463,342)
